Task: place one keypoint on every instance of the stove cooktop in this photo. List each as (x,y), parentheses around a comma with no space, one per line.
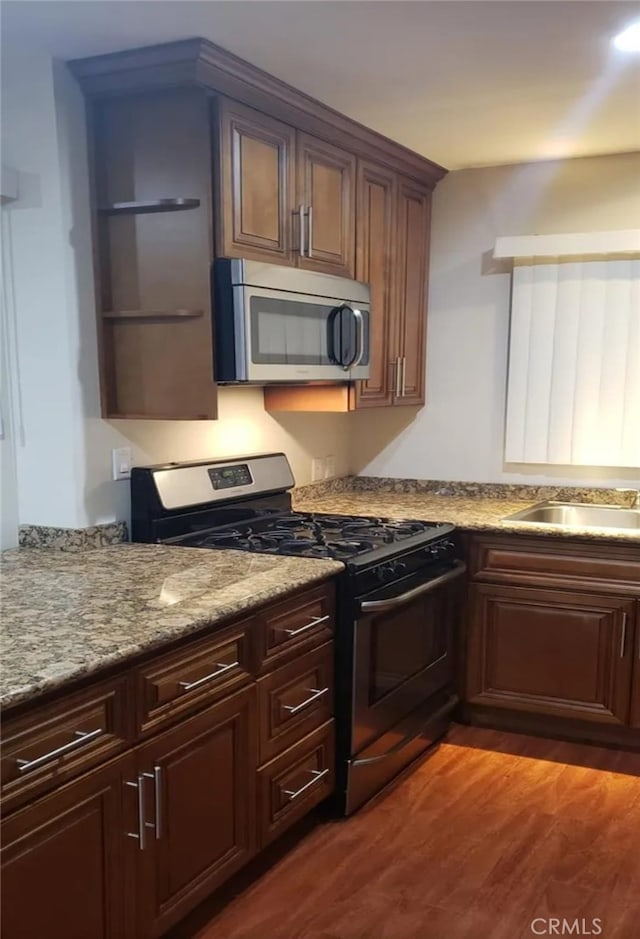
(341,537)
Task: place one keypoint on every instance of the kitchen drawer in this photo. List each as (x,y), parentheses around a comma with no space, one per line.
(55,742)
(551,561)
(301,622)
(294,700)
(195,675)
(298,779)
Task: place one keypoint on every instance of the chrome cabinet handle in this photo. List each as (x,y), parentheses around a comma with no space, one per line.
(157,793)
(301,629)
(310,231)
(315,694)
(141,833)
(403,392)
(81,737)
(294,793)
(220,669)
(301,225)
(623,636)
(398,386)
(381,606)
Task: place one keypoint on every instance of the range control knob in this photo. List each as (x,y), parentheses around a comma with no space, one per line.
(384,572)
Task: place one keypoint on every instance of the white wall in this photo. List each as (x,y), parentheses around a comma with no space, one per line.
(459,434)
(64,456)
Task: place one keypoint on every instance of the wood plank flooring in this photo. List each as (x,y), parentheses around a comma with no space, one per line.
(492,831)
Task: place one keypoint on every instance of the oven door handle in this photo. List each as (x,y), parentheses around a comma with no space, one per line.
(381,606)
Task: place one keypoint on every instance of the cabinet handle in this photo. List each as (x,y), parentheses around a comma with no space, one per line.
(301,629)
(398,386)
(315,694)
(81,737)
(220,669)
(141,833)
(157,794)
(294,793)
(623,637)
(309,231)
(301,227)
(404,376)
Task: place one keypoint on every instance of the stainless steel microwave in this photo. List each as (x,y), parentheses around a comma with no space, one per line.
(283,324)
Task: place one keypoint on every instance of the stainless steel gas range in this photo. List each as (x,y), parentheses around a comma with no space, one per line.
(397,600)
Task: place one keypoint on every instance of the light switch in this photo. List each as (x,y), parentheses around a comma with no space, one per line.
(121,463)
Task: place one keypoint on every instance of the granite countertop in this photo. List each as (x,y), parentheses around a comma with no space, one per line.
(66,615)
(477,513)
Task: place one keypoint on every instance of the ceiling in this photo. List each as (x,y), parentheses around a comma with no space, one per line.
(464,82)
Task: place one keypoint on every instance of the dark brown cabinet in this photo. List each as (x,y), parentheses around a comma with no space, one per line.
(66,861)
(285,197)
(635,685)
(393,256)
(327,193)
(411,259)
(377,208)
(550,652)
(229,743)
(257,181)
(152,172)
(196,154)
(200,782)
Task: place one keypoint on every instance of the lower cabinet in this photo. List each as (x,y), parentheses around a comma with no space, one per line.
(555,652)
(233,743)
(195,792)
(66,863)
(635,685)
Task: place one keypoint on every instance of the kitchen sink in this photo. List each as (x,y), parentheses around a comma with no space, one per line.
(578,515)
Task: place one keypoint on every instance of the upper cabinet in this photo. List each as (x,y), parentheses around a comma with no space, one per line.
(152,191)
(411,259)
(284,196)
(256,185)
(197,154)
(327,203)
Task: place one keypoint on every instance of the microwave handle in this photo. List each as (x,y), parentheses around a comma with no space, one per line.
(359,319)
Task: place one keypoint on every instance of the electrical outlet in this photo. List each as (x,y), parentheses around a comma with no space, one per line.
(317,469)
(121,463)
(329,467)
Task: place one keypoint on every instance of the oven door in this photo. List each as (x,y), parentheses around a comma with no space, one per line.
(404,651)
(298,337)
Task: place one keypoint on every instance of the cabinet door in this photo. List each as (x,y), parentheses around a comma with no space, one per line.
(256,185)
(64,861)
(327,191)
(550,652)
(374,265)
(412,261)
(200,798)
(635,686)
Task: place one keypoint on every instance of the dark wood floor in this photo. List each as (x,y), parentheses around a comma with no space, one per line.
(490,832)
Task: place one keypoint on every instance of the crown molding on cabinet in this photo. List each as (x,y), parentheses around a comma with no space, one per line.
(200,62)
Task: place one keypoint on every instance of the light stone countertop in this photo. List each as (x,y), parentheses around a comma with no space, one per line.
(65,615)
(477,513)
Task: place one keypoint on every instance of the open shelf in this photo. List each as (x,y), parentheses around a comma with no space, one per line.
(148,207)
(152,314)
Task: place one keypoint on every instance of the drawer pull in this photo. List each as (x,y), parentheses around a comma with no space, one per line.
(80,737)
(315,694)
(301,629)
(317,775)
(220,670)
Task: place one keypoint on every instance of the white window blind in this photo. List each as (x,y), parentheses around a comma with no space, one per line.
(573,394)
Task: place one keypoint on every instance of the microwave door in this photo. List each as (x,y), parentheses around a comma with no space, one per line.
(286,337)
